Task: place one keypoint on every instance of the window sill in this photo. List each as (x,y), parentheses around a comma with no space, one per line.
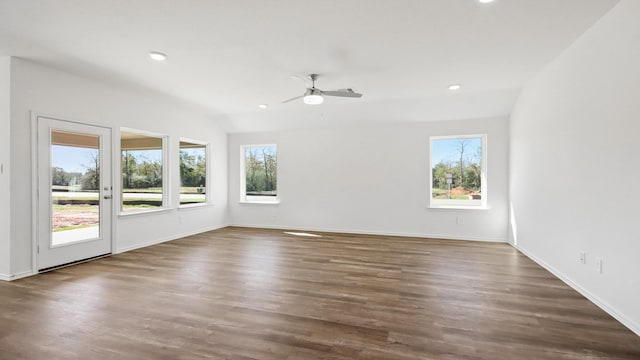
(277,202)
(144,212)
(194,206)
(457,207)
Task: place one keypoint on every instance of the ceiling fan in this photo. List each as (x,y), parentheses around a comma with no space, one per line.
(315,96)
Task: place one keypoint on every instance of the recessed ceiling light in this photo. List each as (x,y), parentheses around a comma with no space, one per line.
(455,87)
(158,56)
(263,106)
(485,1)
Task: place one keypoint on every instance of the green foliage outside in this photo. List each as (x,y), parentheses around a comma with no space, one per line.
(193,172)
(140,170)
(465,172)
(89,180)
(260,170)
(61,177)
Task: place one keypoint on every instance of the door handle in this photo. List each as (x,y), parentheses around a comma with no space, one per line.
(107,197)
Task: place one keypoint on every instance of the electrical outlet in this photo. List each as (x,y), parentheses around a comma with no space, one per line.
(583,257)
(180,219)
(459,220)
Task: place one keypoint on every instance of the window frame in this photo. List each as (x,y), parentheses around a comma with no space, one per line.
(207,180)
(481,204)
(166,163)
(244,199)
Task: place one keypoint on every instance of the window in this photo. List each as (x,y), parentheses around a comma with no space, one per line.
(458,171)
(193,172)
(258,175)
(143,173)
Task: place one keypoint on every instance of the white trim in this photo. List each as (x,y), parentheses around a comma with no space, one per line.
(168,238)
(4,277)
(166,166)
(626,321)
(275,202)
(35,188)
(375,233)
(471,204)
(207,172)
(440,203)
(193,141)
(38,125)
(449,208)
(145,212)
(34,191)
(194,205)
(141,132)
(243,185)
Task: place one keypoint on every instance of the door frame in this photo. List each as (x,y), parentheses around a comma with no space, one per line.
(35,189)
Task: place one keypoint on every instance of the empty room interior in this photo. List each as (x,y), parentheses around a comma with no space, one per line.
(296,179)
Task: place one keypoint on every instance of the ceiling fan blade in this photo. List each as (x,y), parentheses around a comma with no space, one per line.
(293,98)
(342,93)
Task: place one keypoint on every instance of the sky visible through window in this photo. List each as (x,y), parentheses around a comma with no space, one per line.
(194,151)
(72,158)
(258,150)
(445,150)
(78,159)
(148,155)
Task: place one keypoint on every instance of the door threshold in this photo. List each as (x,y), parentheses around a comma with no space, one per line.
(51,268)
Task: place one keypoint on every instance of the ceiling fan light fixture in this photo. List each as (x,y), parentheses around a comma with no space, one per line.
(313,99)
(315,96)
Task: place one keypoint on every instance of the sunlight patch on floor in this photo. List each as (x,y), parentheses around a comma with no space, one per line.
(301,234)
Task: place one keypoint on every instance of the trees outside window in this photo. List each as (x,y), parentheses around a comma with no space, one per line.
(193,173)
(142,158)
(458,171)
(259,173)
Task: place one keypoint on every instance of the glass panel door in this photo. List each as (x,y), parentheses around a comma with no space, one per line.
(74,192)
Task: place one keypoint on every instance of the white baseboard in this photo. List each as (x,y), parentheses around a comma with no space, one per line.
(17,276)
(369,232)
(169,238)
(632,325)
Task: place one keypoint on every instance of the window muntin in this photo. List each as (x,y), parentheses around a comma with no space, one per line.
(193,173)
(458,171)
(258,176)
(143,171)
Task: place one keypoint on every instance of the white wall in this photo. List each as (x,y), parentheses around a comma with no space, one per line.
(370,179)
(5,184)
(65,96)
(575,168)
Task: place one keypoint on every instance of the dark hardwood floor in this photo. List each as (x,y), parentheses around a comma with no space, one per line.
(239,293)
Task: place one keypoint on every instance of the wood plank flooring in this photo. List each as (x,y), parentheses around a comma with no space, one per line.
(239,293)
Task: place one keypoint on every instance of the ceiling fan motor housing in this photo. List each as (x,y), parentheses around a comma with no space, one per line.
(313,91)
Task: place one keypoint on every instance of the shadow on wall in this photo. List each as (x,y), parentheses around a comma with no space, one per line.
(513,225)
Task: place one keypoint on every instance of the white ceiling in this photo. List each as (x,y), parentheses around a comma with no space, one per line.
(229,56)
